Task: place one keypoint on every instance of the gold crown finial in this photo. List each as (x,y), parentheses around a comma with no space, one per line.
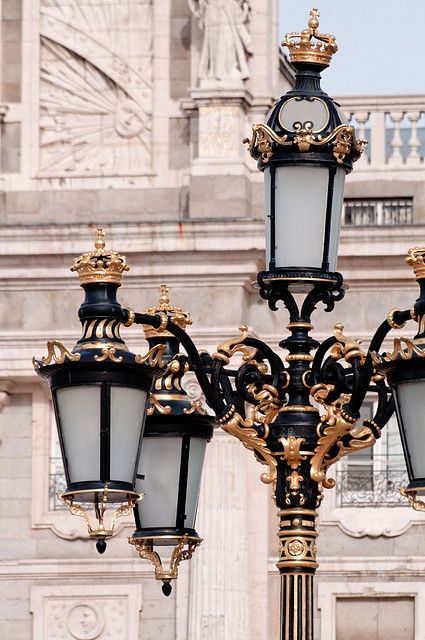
(164,300)
(416,259)
(101,265)
(304,50)
(100,239)
(179,316)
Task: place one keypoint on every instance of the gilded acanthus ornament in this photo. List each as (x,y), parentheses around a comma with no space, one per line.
(244,430)
(57,353)
(343,139)
(334,425)
(403,348)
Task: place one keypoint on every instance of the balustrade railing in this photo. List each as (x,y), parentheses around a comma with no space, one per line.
(394,127)
(369,488)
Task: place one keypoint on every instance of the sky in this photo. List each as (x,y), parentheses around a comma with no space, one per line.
(381,43)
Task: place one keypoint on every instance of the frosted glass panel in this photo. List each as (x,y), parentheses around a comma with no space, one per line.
(127,419)
(267,192)
(79,415)
(338,199)
(196,463)
(300,215)
(409,403)
(160,465)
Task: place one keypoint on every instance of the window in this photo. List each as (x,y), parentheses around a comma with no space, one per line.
(373,477)
(378,212)
(57,481)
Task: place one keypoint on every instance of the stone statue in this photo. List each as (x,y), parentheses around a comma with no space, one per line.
(226,42)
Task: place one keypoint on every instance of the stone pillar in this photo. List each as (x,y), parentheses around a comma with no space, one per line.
(219,584)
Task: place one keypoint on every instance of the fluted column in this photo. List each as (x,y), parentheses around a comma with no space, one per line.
(219,570)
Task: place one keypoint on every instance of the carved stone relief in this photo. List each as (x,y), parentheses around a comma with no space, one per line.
(226,40)
(95,87)
(85,612)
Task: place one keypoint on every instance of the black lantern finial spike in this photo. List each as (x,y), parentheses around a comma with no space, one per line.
(166,588)
(101,546)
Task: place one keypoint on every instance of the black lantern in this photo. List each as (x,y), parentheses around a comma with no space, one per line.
(404,368)
(171,461)
(305,149)
(99,392)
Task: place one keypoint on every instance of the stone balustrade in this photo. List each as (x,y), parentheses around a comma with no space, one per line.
(394,127)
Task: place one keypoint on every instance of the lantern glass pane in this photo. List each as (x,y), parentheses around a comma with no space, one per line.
(196,463)
(127,421)
(337,202)
(79,419)
(300,215)
(409,406)
(160,467)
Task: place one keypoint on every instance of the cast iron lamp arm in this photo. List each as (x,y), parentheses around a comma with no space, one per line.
(214,378)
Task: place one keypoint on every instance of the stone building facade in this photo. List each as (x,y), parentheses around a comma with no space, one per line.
(128,115)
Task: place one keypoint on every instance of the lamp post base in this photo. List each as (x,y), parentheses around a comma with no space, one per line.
(297,565)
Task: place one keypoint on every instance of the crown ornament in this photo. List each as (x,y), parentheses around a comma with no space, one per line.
(101,265)
(303,49)
(179,316)
(416,259)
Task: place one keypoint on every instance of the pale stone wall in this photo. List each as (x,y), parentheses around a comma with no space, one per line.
(159,162)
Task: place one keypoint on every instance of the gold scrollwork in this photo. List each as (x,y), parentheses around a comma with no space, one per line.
(267,406)
(153,357)
(227,349)
(417,505)
(146,552)
(243,429)
(100,506)
(155,404)
(196,407)
(343,138)
(405,353)
(58,353)
(262,137)
(347,348)
(108,352)
(338,424)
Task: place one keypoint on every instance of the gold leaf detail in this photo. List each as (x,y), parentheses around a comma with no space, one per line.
(153,357)
(109,352)
(158,406)
(338,425)
(347,348)
(405,353)
(57,353)
(291,451)
(243,429)
(196,407)
(227,349)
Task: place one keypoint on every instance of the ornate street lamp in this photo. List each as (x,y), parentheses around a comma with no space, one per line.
(170,467)
(270,405)
(99,392)
(305,149)
(404,368)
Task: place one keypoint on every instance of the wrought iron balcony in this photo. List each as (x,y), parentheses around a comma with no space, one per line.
(368,488)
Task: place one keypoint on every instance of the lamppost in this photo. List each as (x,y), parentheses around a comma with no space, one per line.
(298,417)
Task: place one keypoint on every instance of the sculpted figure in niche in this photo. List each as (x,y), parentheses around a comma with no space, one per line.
(226,41)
